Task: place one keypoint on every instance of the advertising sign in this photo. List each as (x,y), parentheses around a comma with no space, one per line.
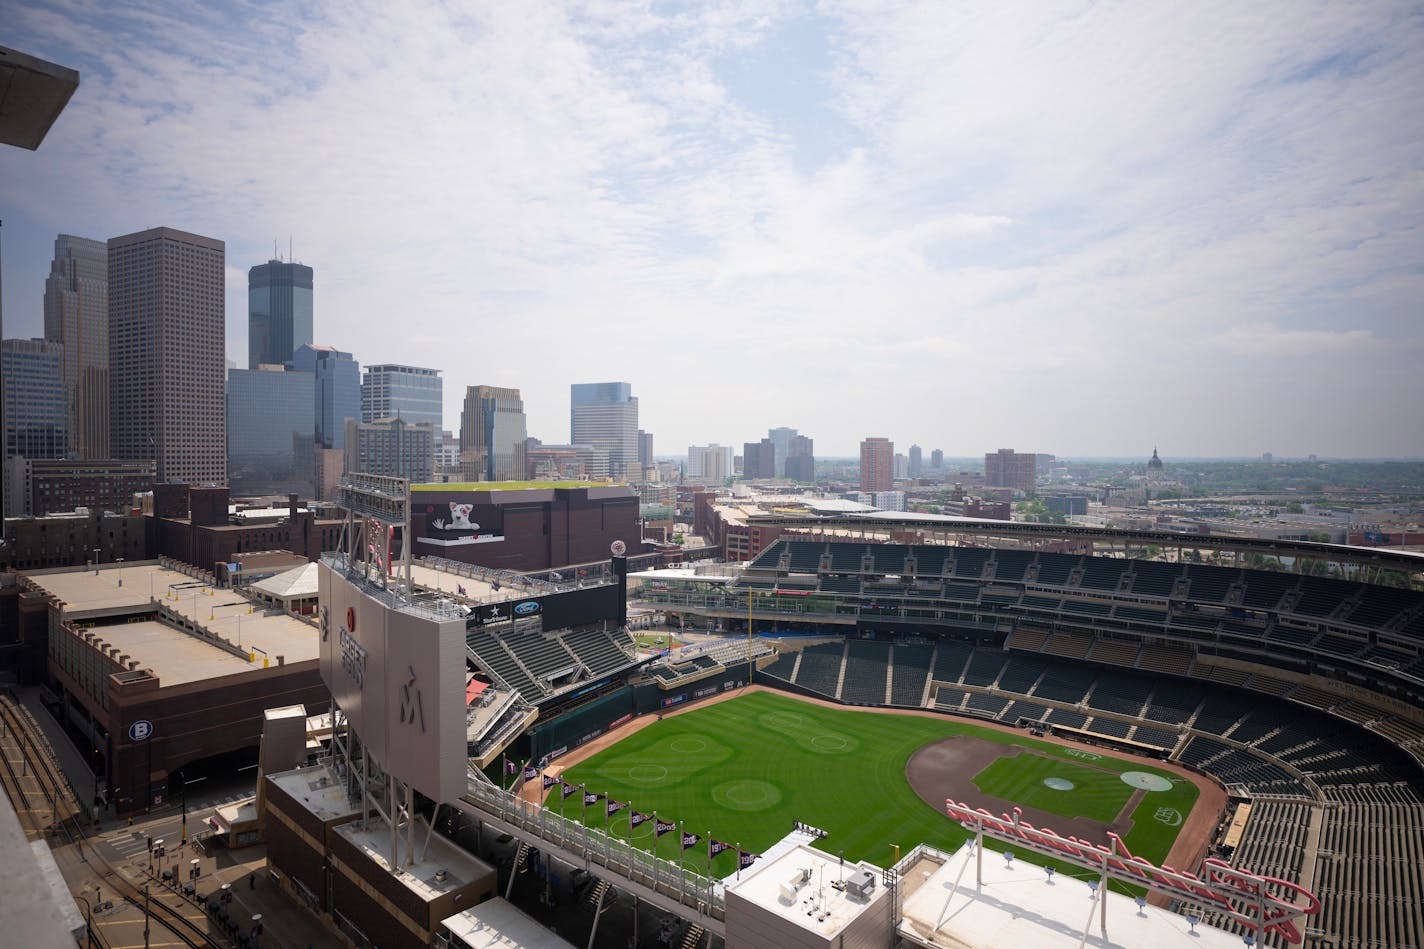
(458,523)
(399,678)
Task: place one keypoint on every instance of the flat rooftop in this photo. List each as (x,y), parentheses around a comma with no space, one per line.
(497,924)
(319,789)
(817,906)
(175,656)
(460,867)
(1018,906)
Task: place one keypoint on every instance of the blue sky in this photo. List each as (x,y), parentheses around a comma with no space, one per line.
(1082,228)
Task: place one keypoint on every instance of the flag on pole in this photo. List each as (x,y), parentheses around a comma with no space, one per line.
(613,807)
(549,782)
(460,587)
(689,840)
(745,859)
(529,772)
(510,767)
(715,846)
(590,797)
(663,827)
(570,788)
(638,818)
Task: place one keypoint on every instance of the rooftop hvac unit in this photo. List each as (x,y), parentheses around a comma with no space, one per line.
(861,883)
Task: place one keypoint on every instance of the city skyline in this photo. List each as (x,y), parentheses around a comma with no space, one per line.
(1168,242)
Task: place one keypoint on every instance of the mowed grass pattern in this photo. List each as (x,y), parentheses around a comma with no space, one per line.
(747,768)
(1097,795)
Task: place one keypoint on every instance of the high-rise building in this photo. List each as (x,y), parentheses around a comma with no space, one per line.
(279,312)
(781,442)
(605,415)
(391,447)
(877,459)
(270,431)
(759,459)
(645,452)
(409,392)
(76,315)
(337,387)
(57,486)
(709,464)
(36,412)
(937,459)
(1006,468)
(917,462)
(166,357)
(900,467)
(492,434)
(801,462)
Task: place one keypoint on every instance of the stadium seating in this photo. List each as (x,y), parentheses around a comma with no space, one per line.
(866,667)
(820,668)
(1020,673)
(984,667)
(910,673)
(1121,693)
(1151,578)
(969,562)
(1264,590)
(1210,584)
(986,705)
(1065,682)
(1053,569)
(494,658)
(1102,573)
(782,667)
(1370,877)
(1173,701)
(1020,710)
(951,655)
(1010,565)
(805,558)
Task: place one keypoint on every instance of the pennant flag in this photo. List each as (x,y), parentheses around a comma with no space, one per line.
(571,788)
(549,782)
(544,762)
(664,826)
(636,818)
(689,840)
(613,807)
(745,859)
(529,772)
(590,798)
(510,767)
(715,846)
(461,588)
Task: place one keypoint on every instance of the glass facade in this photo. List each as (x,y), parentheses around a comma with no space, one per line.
(270,432)
(279,312)
(605,415)
(338,390)
(406,392)
(36,410)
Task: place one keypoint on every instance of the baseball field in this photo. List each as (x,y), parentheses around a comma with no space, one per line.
(743,770)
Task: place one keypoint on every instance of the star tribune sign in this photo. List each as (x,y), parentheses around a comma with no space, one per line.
(353,658)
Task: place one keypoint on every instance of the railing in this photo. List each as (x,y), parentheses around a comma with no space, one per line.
(690,889)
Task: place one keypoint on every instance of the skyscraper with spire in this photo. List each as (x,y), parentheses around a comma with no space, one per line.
(279,312)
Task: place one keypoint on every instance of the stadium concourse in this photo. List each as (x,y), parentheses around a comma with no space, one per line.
(1301,696)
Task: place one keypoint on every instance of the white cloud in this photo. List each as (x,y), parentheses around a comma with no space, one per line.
(1043,214)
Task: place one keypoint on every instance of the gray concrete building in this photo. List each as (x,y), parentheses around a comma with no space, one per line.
(166,354)
(493,431)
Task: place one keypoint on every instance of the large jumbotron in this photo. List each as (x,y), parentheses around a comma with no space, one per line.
(942,732)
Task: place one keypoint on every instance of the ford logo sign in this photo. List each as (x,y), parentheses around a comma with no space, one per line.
(527,607)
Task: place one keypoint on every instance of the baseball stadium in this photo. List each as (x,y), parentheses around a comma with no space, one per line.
(905,730)
(1148,692)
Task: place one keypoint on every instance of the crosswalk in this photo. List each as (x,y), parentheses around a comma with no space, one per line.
(128,843)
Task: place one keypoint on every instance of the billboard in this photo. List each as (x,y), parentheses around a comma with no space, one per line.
(400,679)
(459,523)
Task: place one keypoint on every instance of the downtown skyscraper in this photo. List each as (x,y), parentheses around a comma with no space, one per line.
(166,354)
(877,464)
(492,434)
(279,312)
(605,415)
(76,316)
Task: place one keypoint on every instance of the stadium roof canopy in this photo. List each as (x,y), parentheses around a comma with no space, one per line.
(945,525)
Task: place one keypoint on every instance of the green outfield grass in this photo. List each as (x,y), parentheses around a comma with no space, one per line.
(745,769)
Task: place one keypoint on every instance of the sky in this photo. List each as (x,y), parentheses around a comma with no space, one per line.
(1078,228)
